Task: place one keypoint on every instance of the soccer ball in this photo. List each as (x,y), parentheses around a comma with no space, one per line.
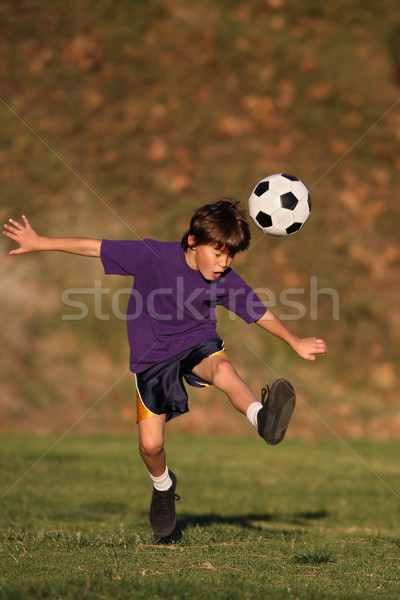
(280,204)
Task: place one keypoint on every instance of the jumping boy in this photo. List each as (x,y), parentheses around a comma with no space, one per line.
(172,334)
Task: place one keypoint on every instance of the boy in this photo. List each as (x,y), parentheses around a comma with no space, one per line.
(172,330)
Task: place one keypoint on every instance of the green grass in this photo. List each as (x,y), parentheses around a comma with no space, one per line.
(303,520)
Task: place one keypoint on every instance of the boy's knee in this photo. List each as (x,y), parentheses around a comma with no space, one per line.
(222,371)
(150,446)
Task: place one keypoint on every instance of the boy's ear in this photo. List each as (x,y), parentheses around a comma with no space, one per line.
(192,241)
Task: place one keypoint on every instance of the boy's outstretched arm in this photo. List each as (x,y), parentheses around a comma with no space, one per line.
(30,241)
(305,347)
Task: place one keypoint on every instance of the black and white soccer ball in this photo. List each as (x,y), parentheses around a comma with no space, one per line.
(280,204)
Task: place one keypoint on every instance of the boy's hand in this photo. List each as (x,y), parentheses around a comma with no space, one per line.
(26,237)
(308,347)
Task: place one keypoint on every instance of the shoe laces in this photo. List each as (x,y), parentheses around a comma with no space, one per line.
(265,393)
(163,501)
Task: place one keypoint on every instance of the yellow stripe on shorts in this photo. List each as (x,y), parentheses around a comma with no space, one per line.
(221,353)
(142,411)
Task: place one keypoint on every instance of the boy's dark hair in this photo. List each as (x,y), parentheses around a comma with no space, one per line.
(222,224)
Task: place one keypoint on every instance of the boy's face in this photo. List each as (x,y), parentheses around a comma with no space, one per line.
(206,258)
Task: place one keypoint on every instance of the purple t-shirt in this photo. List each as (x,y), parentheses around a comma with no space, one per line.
(172,307)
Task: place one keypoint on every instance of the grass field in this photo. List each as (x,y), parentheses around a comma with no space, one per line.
(302,520)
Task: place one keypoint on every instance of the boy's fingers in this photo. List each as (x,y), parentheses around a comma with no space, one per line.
(10,227)
(26,221)
(10,233)
(322,352)
(16,224)
(321,346)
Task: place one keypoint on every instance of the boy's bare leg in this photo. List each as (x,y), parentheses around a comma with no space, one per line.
(271,417)
(219,371)
(151,444)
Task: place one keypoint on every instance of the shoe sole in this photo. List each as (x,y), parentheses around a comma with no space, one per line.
(281,403)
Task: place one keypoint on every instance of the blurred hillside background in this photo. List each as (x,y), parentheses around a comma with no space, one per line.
(118,119)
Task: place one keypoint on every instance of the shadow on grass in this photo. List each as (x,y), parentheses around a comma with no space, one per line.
(247,520)
(251,521)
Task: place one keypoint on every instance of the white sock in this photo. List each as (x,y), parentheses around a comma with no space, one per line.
(163,482)
(252,412)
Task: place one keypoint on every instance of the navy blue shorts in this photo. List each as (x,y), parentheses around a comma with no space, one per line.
(160,389)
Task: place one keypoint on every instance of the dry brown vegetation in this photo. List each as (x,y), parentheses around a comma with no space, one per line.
(118,119)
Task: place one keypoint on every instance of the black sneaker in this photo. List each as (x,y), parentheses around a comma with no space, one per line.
(162,510)
(278,406)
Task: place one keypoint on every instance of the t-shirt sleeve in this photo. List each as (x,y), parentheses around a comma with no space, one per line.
(124,257)
(240,298)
